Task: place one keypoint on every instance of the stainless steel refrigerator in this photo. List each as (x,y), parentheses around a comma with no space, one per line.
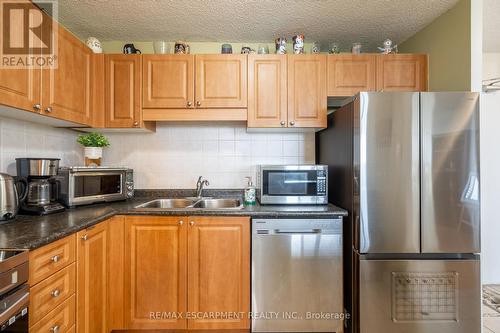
(406,167)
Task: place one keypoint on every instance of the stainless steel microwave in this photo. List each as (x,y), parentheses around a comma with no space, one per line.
(87,185)
(292,184)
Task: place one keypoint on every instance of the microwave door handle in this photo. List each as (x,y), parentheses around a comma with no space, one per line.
(299,181)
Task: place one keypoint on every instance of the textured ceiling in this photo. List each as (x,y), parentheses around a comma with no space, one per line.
(343,21)
(491,33)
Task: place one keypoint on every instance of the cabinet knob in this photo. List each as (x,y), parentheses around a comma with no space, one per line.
(283,123)
(189,104)
(191,223)
(85,237)
(292,123)
(55,293)
(181,222)
(55,258)
(136,123)
(54,329)
(37,107)
(198,103)
(48,109)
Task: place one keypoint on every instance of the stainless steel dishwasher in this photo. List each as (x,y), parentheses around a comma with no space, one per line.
(297,275)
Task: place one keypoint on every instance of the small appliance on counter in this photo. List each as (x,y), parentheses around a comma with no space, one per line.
(87,185)
(42,185)
(292,184)
(10,198)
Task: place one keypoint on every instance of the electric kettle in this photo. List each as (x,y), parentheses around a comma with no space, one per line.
(9,196)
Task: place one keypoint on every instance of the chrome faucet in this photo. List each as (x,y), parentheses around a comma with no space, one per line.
(199,186)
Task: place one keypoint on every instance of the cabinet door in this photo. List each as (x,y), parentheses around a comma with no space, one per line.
(168,81)
(20,88)
(123,90)
(402,72)
(350,74)
(66,88)
(221,81)
(219,271)
(92,268)
(155,276)
(307,99)
(267,87)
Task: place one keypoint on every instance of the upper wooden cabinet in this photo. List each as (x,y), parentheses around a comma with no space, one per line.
(267,90)
(221,81)
(66,92)
(349,74)
(122,90)
(92,272)
(156,272)
(219,271)
(307,98)
(20,88)
(402,72)
(168,81)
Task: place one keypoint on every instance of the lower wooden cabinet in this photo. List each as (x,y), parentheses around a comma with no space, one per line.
(92,284)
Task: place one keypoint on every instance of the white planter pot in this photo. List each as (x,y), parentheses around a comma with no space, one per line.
(93,153)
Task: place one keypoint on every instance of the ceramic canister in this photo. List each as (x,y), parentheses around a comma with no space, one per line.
(298,44)
(280,43)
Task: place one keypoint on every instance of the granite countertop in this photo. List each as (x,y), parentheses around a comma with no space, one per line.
(31,232)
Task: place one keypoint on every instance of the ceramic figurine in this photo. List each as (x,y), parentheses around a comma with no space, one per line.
(315,47)
(130,49)
(94,44)
(246,49)
(298,44)
(181,47)
(388,47)
(334,48)
(280,43)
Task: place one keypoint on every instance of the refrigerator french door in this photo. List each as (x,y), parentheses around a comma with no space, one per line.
(410,181)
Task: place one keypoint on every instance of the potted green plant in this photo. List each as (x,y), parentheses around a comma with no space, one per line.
(93,143)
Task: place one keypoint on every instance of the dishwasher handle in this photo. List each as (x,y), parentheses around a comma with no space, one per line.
(292,231)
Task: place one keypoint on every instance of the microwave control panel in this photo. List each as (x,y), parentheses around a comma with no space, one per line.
(321,181)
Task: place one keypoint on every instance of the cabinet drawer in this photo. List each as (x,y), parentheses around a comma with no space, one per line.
(51,258)
(60,320)
(51,292)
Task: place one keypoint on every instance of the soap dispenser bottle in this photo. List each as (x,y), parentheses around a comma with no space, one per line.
(249,195)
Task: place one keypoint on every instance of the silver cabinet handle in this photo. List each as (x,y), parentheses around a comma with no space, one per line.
(292,123)
(55,293)
(37,107)
(136,123)
(283,123)
(198,103)
(85,237)
(181,222)
(189,104)
(55,258)
(191,223)
(48,110)
(54,329)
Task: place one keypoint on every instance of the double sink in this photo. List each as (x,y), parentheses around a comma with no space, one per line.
(191,203)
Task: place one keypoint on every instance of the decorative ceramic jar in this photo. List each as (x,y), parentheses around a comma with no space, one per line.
(94,44)
(298,44)
(280,43)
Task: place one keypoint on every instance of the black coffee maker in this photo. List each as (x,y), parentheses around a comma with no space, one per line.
(42,188)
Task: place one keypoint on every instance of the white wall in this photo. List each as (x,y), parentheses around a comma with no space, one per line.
(490,175)
(24,139)
(176,155)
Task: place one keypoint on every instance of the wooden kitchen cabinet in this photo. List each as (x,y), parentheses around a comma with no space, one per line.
(20,88)
(267,90)
(168,81)
(123,92)
(92,271)
(155,264)
(66,92)
(402,72)
(307,97)
(219,271)
(221,81)
(349,74)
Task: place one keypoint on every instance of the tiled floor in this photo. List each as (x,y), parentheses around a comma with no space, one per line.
(491,309)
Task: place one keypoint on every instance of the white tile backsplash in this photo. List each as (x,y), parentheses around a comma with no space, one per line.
(173,157)
(24,139)
(177,154)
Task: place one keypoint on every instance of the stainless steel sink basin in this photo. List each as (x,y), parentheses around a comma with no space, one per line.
(167,203)
(218,203)
(191,203)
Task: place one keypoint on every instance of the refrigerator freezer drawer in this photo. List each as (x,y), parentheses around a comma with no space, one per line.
(415,296)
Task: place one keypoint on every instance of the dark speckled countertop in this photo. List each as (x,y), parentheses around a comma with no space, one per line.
(31,232)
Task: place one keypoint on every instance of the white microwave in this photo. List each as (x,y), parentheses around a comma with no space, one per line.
(292,184)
